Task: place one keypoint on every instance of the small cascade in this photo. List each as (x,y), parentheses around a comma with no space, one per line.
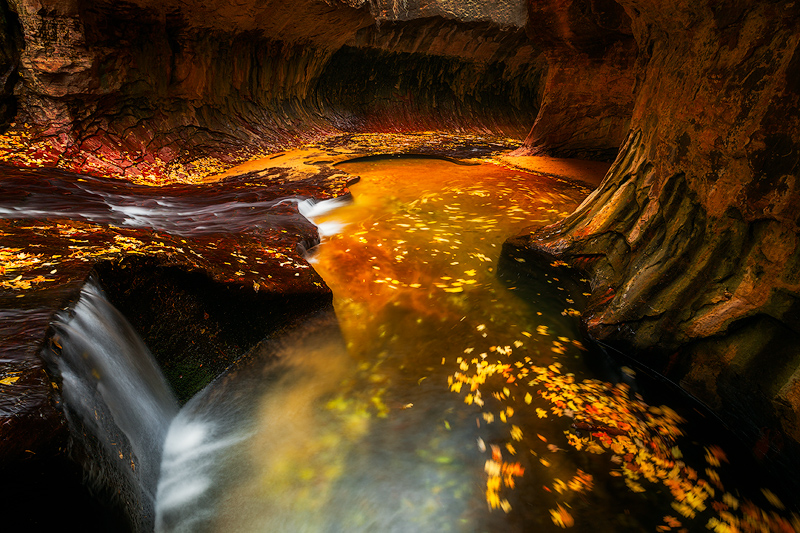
(116,401)
(223,449)
(313,210)
(188,211)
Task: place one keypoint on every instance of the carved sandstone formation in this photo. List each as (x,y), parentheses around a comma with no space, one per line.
(588,94)
(10,41)
(692,239)
(119,88)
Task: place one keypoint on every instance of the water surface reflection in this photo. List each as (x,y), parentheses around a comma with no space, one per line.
(451,392)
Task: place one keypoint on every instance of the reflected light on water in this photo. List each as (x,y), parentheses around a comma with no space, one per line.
(450,392)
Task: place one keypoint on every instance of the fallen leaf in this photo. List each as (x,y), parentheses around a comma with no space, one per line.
(561,517)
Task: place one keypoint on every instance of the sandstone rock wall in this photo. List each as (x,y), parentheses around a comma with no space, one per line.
(501,12)
(588,94)
(112,82)
(692,239)
(10,43)
(118,87)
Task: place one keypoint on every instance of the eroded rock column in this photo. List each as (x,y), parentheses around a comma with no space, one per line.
(692,239)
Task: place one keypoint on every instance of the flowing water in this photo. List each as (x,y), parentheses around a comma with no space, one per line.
(116,400)
(185,210)
(454,394)
(450,391)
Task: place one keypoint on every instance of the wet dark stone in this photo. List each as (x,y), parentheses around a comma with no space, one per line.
(194,326)
(47,491)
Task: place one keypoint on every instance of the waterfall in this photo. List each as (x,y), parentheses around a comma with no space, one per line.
(117,403)
(223,448)
(171,469)
(313,210)
(123,416)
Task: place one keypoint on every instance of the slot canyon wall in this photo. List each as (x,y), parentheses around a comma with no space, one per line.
(691,242)
(118,88)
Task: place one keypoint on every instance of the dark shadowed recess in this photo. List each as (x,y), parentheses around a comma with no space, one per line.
(10,42)
(380,81)
(47,493)
(195,327)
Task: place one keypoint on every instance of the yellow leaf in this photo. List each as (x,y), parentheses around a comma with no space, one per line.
(561,517)
(730,500)
(774,500)
(635,487)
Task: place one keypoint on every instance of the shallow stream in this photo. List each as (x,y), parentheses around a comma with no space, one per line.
(451,392)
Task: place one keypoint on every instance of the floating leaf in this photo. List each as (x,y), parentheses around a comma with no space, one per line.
(773,499)
(561,517)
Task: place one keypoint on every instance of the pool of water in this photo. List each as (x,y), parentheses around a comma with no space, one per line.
(451,391)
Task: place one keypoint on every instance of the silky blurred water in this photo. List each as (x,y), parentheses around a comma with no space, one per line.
(418,407)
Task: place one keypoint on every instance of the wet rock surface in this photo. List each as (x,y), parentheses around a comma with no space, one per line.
(691,240)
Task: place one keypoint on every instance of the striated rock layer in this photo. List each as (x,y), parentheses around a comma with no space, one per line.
(691,241)
(122,88)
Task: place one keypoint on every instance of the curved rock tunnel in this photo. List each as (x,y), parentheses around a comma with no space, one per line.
(690,242)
